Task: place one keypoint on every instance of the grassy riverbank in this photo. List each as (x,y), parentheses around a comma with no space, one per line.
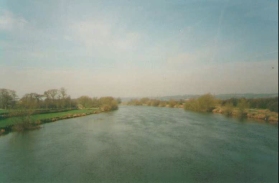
(34,109)
(8,124)
(36,117)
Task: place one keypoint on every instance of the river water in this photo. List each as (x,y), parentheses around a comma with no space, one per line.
(143,144)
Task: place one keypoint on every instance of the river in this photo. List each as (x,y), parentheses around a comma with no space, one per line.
(143,144)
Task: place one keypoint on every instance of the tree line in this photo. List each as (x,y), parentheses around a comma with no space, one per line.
(54,99)
(207,103)
(155,102)
(259,103)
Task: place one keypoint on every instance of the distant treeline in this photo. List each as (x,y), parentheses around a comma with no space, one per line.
(54,99)
(207,102)
(260,108)
(105,103)
(259,103)
(156,103)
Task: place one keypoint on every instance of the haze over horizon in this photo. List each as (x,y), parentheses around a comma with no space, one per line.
(138,48)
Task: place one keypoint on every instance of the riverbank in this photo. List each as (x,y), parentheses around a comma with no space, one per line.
(9,124)
(262,115)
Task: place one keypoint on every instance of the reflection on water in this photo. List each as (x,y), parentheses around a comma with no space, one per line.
(142,144)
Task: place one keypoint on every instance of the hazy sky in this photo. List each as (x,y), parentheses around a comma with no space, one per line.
(139,47)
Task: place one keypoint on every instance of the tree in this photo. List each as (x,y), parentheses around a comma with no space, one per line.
(31,100)
(242,106)
(172,103)
(273,106)
(85,101)
(95,102)
(207,102)
(52,97)
(108,103)
(162,104)
(192,105)
(7,98)
(228,109)
(63,94)
(154,102)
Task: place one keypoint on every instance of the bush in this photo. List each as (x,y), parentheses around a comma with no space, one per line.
(25,123)
(20,127)
(108,104)
(228,109)
(205,103)
(259,103)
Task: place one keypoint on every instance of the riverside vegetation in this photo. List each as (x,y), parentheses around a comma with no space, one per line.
(264,109)
(32,110)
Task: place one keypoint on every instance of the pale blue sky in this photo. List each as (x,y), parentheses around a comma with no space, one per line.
(139,48)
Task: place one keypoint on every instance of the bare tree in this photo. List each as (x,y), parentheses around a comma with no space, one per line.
(51,96)
(7,98)
(63,94)
(30,100)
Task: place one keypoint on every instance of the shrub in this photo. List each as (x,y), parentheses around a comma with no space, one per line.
(108,103)
(228,109)
(26,123)
(205,103)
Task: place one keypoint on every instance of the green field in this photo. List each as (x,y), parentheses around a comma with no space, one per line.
(14,120)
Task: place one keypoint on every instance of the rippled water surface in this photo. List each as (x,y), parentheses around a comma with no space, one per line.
(142,144)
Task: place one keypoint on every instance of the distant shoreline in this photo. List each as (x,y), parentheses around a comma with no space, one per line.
(233,107)
(261,117)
